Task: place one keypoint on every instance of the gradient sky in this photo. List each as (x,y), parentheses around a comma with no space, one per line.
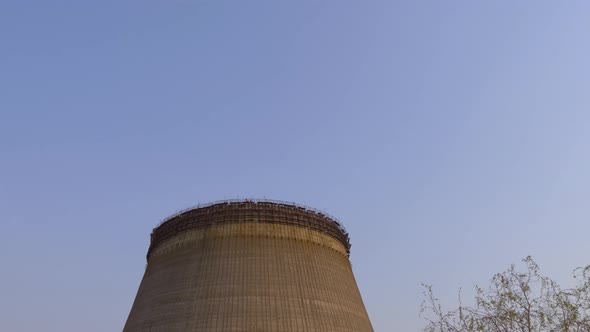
(452,138)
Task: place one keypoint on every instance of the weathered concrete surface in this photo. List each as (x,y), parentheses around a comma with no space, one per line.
(248,277)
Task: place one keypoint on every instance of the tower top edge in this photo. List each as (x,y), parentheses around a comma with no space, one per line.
(201,216)
(259,202)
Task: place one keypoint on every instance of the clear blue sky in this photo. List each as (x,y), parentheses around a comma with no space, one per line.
(452,138)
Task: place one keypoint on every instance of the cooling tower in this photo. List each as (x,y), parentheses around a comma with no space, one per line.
(248,266)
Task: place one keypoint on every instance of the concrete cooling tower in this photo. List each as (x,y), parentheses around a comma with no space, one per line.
(248,266)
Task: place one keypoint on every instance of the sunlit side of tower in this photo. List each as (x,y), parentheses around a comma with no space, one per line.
(249,266)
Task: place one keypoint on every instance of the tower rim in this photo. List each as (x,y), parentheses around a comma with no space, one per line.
(192,218)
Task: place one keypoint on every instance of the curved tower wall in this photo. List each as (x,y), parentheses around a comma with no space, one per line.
(248,266)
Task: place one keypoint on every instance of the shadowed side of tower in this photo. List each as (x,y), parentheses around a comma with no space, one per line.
(248,266)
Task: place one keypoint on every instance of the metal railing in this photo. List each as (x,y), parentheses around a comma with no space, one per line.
(257,200)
